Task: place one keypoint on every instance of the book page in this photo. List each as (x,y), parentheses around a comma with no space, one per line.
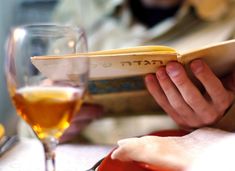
(220,57)
(104,66)
(117,66)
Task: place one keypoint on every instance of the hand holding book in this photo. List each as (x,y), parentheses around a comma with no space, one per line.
(173,90)
(172,87)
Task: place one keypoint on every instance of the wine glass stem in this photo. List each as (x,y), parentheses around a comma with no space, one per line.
(49,151)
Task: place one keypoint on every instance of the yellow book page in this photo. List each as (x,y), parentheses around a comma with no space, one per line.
(220,57)
(108,64)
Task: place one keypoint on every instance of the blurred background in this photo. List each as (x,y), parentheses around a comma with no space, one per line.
(13,13)
(109,24)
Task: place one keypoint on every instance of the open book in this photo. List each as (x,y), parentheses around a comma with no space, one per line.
(129,62)
(116,76)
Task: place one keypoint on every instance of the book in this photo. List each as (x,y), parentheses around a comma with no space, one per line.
(116,76)
(135,61)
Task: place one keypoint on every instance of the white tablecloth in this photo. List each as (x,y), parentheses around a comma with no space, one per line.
(27,155)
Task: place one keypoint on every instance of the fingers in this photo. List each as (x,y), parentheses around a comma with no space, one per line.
(203,112)
(180,98)
(220,97)
(128,149)
(160,97)
(186,88)
(152,150)
(175,97)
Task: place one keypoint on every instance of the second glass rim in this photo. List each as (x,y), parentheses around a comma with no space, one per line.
(52,29)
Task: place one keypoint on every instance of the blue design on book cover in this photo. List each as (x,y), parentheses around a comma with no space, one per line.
(116,85)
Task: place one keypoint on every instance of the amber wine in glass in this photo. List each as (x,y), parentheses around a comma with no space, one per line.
(48,110)
(46,103)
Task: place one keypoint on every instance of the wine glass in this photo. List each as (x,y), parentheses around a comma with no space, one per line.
(47,103)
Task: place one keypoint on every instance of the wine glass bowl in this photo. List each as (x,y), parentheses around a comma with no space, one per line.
(48,110)
(46,103)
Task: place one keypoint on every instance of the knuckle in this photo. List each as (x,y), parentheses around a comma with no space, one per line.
(208,122)
(190,99)
(167,88)
(193,100)
(193,122)
(223,104)
(210,118)
(161,101)
(179,80)
(177,105)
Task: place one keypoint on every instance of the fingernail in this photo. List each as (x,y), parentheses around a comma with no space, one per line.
(149,78)
(173,69)
(113,155)
(122,141)
(161,73)
(197,66)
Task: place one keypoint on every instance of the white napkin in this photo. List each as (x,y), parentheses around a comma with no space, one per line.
(202,150)
(27,155)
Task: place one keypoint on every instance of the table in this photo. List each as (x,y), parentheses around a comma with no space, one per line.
(27,155)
